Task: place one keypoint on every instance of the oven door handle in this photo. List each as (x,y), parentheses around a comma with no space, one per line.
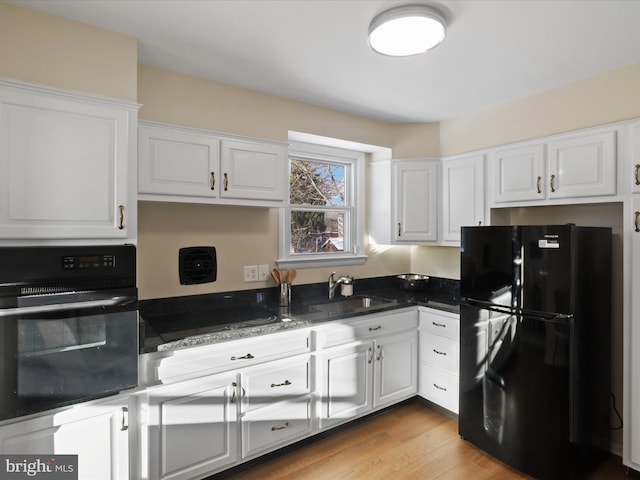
(64,307)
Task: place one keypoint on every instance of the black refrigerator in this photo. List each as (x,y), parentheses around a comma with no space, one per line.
(535,322)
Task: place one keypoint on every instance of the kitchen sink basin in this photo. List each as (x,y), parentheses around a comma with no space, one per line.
(350,304)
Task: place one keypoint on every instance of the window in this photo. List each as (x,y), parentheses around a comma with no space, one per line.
(323,223)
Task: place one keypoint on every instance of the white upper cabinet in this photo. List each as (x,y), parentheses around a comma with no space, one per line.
(564,167)
(253,170)
(181,164)
(583,166)
(462,195)
(65,170)
(177,162)
(634,150)
(519,174)
(414,187)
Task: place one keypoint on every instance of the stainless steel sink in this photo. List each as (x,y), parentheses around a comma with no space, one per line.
(350,304)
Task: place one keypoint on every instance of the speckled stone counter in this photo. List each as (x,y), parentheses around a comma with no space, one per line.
(184,322)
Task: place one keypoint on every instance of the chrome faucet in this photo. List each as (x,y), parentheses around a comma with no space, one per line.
(333,284)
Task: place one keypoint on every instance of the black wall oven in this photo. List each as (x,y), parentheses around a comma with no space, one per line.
(68,325)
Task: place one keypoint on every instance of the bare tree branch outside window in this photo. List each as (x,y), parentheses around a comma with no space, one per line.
(320,185)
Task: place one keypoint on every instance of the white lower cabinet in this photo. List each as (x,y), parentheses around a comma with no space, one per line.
(439,357)
(189,429)
(98,433)
(364,375)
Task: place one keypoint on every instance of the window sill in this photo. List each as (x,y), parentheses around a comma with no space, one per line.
(324,261)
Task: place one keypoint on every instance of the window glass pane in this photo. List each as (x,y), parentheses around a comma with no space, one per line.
(316,183)
(317,232)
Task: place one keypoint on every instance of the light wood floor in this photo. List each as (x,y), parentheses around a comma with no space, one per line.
(410,441)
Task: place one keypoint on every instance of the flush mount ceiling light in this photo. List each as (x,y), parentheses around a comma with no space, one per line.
(406,30)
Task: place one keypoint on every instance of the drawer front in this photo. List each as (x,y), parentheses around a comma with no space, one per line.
(272,427)
(350,330)
(447,325)
(197,361)
(439,387)
(439,352)
(276,381)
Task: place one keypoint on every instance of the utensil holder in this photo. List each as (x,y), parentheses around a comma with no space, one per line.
(285,294)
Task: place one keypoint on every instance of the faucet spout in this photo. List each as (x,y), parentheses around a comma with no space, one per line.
(333,284)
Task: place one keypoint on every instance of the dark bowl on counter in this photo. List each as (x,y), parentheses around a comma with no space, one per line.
(413,281)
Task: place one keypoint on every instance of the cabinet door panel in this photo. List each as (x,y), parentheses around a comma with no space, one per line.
(397,367)
(63,167)
(346,375)
(463,195)
(439,387)
(104,457)
(202,411)
(416,201)
(519,174)
(632,334)
(253,171)
(177,163)
(583,166)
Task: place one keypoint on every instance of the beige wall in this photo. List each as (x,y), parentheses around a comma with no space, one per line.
(48,50)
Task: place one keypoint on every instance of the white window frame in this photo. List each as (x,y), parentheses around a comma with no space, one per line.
(354,226)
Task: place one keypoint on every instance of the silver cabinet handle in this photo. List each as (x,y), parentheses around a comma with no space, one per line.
(379,353)
(124,426)
(439,352)
(121,223)
(637,174)
(282,427)
(373,329)
(213,180)
(538,187)
(248,356)
(635,221)
(439,387)
(233,396)
(436,324)
(226,181)
(286,382)
(370,350)
(399,230)
(553,188)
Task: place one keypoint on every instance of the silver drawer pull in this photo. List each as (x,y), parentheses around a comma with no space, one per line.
(282,427)
(286,382)
(248,356)
(439,387)
(439,352)
(371,329)
(439,324)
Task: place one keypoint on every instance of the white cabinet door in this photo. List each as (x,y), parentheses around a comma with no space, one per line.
(634,149)
(64,165)
(174,161)
(396,368)
(462,196)
(345,386)
(583,166)
(632,350)
(191,428)
(519,173)
(98,434)
(415,194)
(254,170)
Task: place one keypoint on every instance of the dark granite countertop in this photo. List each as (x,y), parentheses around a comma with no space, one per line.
(182,322)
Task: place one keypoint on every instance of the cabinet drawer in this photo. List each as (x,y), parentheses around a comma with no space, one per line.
(196,361)
(271,427)
(347,330)
(439,352)
(276,381)
(441,323)
(439,387)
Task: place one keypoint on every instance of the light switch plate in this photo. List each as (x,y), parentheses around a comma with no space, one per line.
(250,273)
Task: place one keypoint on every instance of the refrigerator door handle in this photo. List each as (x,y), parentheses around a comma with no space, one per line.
(494,307)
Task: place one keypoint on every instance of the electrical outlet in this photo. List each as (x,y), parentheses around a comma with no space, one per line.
(250,273)
(263,273)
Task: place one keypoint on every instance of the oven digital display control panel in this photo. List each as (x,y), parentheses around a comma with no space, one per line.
(88,261)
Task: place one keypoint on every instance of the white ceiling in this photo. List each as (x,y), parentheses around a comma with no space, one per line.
(316,51)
